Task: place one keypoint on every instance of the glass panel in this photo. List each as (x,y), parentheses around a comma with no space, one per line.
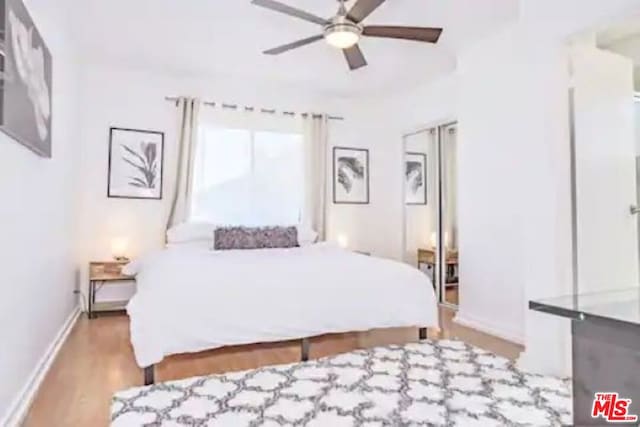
(278,178)
(248,178)
(622,305)
(222,176)
(420,162)
(449,179)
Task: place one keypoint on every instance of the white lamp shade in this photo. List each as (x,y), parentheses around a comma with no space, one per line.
(119,247)
(343,241)
(434,240)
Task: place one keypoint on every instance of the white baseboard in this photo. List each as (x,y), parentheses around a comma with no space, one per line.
(488,328)
(18,409)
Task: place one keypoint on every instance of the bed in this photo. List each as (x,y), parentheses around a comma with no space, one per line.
(191,298)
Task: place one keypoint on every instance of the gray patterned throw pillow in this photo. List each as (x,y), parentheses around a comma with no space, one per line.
(225,238)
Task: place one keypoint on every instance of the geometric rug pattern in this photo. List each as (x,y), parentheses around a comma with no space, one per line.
(431,383)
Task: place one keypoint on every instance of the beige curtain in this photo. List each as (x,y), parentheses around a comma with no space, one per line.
(316,138)
(188,113)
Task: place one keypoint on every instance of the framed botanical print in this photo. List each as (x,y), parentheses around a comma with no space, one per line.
(350,176)
(415,178)
(135,164)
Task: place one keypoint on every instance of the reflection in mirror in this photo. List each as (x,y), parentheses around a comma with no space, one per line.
(420,196)
(430,211)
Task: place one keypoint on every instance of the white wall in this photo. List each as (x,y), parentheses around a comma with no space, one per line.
(493,169)
(375,227)
(37,227)
(126,97)
(383,122)
(514,176)
(605,169)
(559,20)
(510,95)
(513,179)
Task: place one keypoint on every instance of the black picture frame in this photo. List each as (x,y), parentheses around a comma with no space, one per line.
(424,174)
(110,190)
(335,178)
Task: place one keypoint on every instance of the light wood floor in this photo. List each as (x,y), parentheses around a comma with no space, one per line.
(452,296)
(97,360)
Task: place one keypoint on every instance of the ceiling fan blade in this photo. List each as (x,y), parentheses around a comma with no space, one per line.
(354,57)
(429,35)
(291,11)
(281,49)
(363,8)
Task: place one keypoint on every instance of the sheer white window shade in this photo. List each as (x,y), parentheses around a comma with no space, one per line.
(248,170)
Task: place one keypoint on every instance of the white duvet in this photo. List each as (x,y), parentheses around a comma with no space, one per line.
(191,299)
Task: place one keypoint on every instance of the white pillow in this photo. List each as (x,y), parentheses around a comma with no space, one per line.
(197,245)
(191,232)
(306,236)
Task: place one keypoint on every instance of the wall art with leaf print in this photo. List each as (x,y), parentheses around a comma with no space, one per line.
(415,178)
(135,164)
(350,176)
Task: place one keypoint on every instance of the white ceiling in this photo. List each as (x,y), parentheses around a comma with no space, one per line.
(228,36)
(624,39)
(619,31)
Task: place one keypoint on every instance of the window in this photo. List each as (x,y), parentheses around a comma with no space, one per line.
(248,177)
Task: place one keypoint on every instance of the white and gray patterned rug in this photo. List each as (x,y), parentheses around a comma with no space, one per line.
(432,383)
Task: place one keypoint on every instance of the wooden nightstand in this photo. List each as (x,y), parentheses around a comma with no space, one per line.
(428,257)
(101,274)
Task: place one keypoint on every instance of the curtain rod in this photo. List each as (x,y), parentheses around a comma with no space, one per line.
(261,110)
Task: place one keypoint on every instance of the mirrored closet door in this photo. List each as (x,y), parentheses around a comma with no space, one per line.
(430,208)
(449,214)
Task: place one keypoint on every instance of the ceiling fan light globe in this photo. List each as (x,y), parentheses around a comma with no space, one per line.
(342,39)
(342,33)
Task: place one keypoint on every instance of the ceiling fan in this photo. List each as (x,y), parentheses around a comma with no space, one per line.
(344,30)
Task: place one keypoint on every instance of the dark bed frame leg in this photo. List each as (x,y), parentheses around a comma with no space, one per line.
(422,333)
(304,350)
(149,375)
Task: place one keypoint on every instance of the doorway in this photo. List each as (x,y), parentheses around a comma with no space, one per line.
(605,148)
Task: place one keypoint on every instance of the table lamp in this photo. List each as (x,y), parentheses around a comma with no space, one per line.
(119,246)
